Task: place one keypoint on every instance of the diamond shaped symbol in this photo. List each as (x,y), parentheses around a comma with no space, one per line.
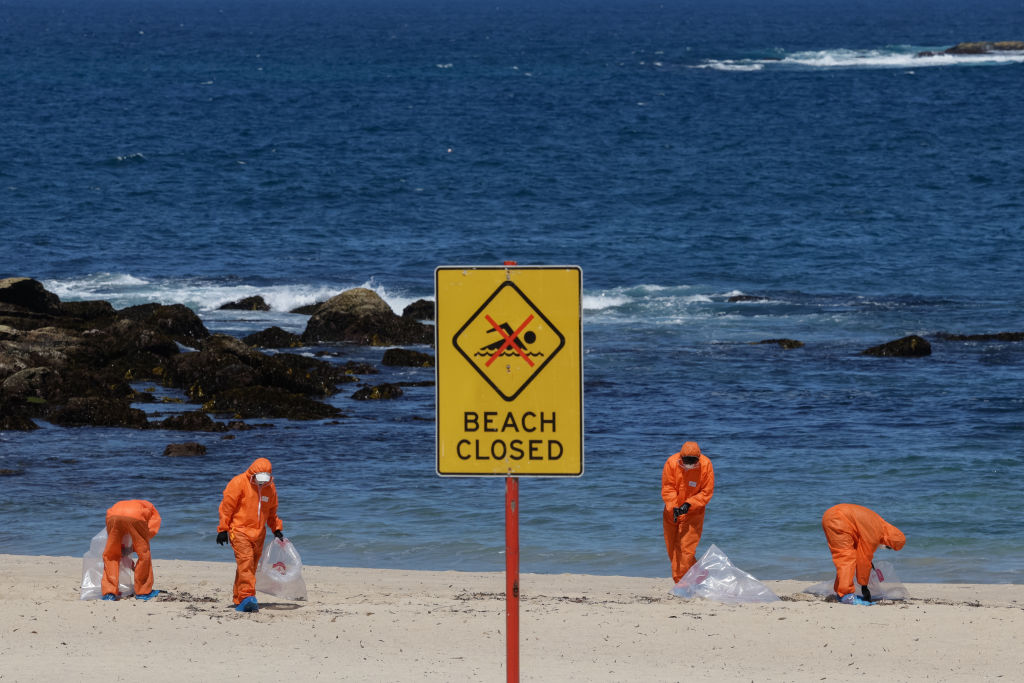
(508,340)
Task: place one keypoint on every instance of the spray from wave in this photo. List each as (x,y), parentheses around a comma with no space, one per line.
(894,57)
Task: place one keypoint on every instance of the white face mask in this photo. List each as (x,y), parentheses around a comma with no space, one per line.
(690,467)
(261,478)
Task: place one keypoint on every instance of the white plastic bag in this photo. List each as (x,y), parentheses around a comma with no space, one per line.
(279,572)
(714,577)
(882,582)
(92,568)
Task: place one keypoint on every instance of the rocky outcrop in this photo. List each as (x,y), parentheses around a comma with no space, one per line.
(978,48)
(407,358)
(378,392)
(997,336)
(97,412)
(911,346)
(249,303)
(189,449)
(273,338)
(745,298)
(360,316)
(72,364)
(259,401)
(784,343)
(177,321)
(421,309)
(308,309)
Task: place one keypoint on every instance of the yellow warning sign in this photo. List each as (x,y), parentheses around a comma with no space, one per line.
(509,371)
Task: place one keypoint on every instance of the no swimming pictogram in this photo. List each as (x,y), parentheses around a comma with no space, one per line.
(508,340)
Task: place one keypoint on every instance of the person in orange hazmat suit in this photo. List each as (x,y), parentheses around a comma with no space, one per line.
(687,484)
(248,506)
(853,533)
(140,520)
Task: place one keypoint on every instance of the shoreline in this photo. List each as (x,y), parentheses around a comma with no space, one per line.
(405,625)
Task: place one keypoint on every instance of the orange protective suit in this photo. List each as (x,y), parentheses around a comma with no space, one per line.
(854,533)
(694,486)
(140,520)
(245,511)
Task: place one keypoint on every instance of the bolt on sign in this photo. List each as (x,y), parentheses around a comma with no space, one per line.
(509,371)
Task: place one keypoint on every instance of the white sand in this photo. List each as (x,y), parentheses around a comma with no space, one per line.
(387,625)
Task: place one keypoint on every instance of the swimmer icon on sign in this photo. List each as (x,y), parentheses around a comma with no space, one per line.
(509,362)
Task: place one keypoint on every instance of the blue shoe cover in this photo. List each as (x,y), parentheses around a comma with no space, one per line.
(109,596)
(248,605)
(852,599)
(147,596)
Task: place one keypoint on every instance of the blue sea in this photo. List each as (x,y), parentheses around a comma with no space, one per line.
(681,153)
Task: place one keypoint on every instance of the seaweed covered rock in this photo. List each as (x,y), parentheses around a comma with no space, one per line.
(273,338)
(249,303)
(378,392)
(177,321)
(911,346)
(270,402)
(407,358)
(15,416)
(360,316)
(97,412)
(188,449)
(421,309)
(995,336)
(191,421)
(29,295)
(784,343)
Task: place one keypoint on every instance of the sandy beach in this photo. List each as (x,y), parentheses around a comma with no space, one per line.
(376,625)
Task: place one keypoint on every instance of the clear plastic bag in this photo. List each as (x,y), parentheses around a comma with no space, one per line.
(883,584)
(279,572)
(714,577)
(92,568)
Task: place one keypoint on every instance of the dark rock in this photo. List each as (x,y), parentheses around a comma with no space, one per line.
(15,416)
(39,382)
(360,316)
(30,295)
(192,421)
(742,298)
(261,401)
(5,472)
(978,48)
(407,358)
(378,392)
(249,303)
(179,322)
(998,336)
(184,450)
(910,346)
(308,309)
(273,338)
(420,309)
(88,310)
(784,343)
(97,412)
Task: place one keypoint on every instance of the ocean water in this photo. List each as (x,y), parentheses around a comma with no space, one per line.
(680,153)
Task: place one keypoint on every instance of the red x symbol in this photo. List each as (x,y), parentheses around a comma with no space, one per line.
(510,340)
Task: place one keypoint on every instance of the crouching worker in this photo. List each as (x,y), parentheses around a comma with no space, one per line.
(687,484)
(248,506)
(853,533)
(139,520)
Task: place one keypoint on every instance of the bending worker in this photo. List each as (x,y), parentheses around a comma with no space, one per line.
(854,533)
(140,520)
(687,484)
(248,506)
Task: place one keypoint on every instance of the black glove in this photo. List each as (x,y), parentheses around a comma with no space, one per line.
(680,511)
(866,593)
(222,538)
(279,534)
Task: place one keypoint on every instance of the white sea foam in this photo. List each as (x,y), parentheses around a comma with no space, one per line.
(898,57)
(123,289)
